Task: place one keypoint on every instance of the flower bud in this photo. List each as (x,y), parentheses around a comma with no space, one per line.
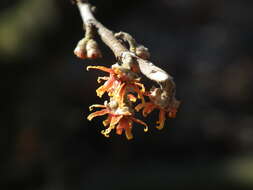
(92,49)
(142,52)
(80,50)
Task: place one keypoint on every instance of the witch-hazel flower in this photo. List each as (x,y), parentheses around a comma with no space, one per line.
(119,118)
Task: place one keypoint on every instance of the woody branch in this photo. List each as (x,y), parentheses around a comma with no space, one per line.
(165,92)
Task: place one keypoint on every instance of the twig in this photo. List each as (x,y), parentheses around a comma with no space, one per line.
(124,77)
(147,68)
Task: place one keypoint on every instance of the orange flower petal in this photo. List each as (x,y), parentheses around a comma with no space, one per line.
(125,124)
(102,68)
(119,130)
(141,86)
(161,119)
(149,107)
(140,122)
(139,107)
(172,114)
(97,113)
(115,120)
(122,92)
(105,87)
(128,132)
(102,78)
(96,106)
(107,121)
(131,97)
(107,131)
(114,88)
(139,92)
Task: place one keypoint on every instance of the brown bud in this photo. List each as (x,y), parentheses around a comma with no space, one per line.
(142,52)
(80,50)
(92,49)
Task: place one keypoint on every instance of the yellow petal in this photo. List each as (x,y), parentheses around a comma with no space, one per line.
(139,92)
(102,78)
(107,121)
(140,85)
(105,134)
(131,97)
(107,131)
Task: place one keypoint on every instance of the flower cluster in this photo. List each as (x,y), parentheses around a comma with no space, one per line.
(124,88)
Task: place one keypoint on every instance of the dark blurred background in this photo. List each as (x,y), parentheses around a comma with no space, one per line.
(46,141)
